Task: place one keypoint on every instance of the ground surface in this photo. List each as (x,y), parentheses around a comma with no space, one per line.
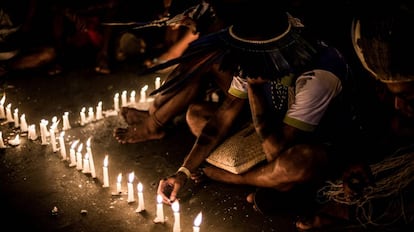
(35,180)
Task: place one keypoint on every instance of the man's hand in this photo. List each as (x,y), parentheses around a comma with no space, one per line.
(169,187)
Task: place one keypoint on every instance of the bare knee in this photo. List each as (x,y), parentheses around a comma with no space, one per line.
(304,162)
(198,115)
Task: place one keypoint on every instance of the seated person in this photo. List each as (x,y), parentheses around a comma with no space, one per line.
(297,92)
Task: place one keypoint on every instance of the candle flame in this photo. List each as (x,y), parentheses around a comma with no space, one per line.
(131,177)
(106,161)
(159,198)
(124,93)
(100,104)
(139,187)
(16,111)
(8,106)
(22,117)
(83,110)
(3,99)
(80,147)
(74,143)
(119,179)
(133,93)
(175,206)
(197,220)
(116,95)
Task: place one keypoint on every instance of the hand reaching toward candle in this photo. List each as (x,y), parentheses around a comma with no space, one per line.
(169,187)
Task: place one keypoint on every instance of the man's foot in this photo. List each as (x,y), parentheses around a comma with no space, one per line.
(133,116)
(139,133)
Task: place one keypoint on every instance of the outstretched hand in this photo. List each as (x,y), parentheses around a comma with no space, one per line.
(169,187)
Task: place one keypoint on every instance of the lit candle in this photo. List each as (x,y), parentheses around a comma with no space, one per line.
(105,173)
(62,147)
(118,183)
(1,140)
(141,205)
(131,197)
(2,114)
(72,153)
(66,124)
(132,97)
(53,137)
(86,164)
(83,116)
(116,102)
(176,209)
(143,94)
(159,217)
(55,123)
(124,98)
(91,162)
(43,131)
(9,117)
(16,118)
(157,82)
(99,115)
(91,115)
(23,124)
(79,157)
(197,222)
(32,132)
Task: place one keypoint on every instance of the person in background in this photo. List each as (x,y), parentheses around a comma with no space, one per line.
(382,179)
(142,125)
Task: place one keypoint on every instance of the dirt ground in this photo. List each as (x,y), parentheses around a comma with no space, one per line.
(41,192)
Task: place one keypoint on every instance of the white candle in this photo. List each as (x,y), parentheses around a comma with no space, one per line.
(9,117)
(197,222)
(86,164)
(131,197)
(118,183)
(32,132)
(23,124)
(79,157)
(90,155)
(53,138)
(43,131)
(16,118)
(105,173)
(132,97)
(55,123)
(157,82)
(62,147)
(72,153)
(124,98)
(1,140)
(141,205)
(176,209)
(143,94)
(91,115)
(99,115)
(116,102)
(2,114)
(66,124)
(83,116)
(159,217)
(15,141)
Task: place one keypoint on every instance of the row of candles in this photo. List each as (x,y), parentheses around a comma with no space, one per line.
(85,163)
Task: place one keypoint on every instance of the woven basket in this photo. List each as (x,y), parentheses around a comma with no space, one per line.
(238,153)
